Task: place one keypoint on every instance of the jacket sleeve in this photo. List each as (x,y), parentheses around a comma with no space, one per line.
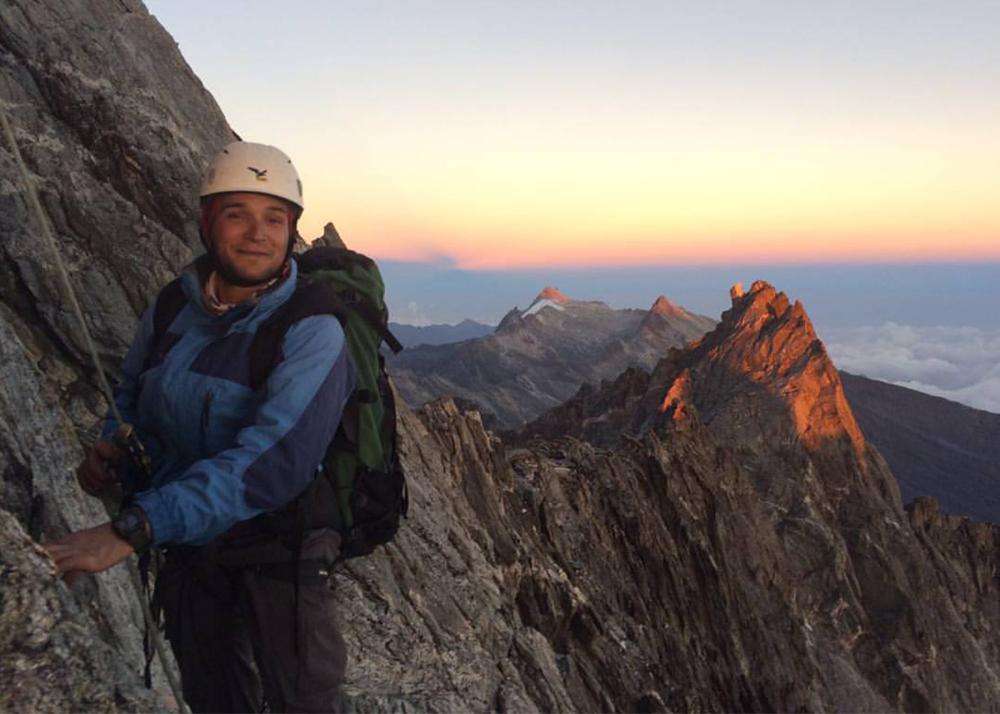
(126,392)
(275,456)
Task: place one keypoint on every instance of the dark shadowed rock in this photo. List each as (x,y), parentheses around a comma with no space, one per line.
(330,238)
(935,447)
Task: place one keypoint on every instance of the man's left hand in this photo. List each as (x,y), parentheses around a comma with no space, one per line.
(89,551)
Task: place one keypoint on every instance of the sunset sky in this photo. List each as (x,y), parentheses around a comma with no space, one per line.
(575,134)
(848,152)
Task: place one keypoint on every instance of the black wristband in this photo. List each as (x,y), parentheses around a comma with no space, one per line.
(132,526)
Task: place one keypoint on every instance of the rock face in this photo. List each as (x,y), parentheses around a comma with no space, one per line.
(52,657)
(115,130)
(868,586)
(935,447)
(539,357)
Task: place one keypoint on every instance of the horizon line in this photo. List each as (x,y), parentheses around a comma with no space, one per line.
(449,263)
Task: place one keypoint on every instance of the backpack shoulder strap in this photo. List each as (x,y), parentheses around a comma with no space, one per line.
(310,298)
(169,303)
(376,320)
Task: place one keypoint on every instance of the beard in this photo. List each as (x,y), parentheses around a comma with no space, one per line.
(231,275)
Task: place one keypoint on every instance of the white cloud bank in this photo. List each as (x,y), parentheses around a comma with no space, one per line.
(958,363)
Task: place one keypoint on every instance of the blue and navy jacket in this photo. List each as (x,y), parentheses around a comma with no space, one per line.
(221,452)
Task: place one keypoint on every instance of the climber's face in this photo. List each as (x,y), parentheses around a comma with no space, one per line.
(249,237)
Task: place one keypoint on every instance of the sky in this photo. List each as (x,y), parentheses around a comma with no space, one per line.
(845,151)
(527,134)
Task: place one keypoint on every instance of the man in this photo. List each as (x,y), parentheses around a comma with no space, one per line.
(223,454)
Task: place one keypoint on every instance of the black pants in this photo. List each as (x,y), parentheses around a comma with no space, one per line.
(242,636)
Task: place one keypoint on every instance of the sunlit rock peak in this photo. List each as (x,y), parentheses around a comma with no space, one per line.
(761,374)
(664,307)
(767,342)
(552,295)
(548,297)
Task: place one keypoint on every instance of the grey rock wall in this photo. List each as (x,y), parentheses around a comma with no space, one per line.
(115,130)
(52,657)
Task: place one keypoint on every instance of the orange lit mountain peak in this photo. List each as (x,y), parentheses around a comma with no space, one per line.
(761,371)
(552,295)
(664,307)
(768,341)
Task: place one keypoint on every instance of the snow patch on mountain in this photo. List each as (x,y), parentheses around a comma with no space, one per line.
(541,304)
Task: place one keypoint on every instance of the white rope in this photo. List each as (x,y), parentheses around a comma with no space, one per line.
(133,570)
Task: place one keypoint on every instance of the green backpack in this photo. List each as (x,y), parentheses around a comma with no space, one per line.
(360,488)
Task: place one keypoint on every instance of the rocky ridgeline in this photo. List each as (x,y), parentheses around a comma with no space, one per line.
(761,363)
(715,535)
(881,594)
(539,357)
(682,540)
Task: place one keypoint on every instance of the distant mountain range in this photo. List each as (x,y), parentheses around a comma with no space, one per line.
(538,357)
(935,447)
(414,335)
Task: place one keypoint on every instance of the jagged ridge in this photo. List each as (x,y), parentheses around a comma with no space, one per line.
(538,357)
(761,346)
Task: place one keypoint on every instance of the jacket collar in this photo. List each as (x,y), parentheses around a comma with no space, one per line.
(196,273)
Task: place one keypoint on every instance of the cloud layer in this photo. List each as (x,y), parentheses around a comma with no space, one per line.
(958,363)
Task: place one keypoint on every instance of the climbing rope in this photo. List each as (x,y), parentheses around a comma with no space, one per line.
(133,570)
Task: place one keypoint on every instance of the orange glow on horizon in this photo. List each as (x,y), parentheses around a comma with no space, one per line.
(701,193)
(748,249)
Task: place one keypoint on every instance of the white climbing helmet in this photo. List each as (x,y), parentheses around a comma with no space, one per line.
(257,168)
